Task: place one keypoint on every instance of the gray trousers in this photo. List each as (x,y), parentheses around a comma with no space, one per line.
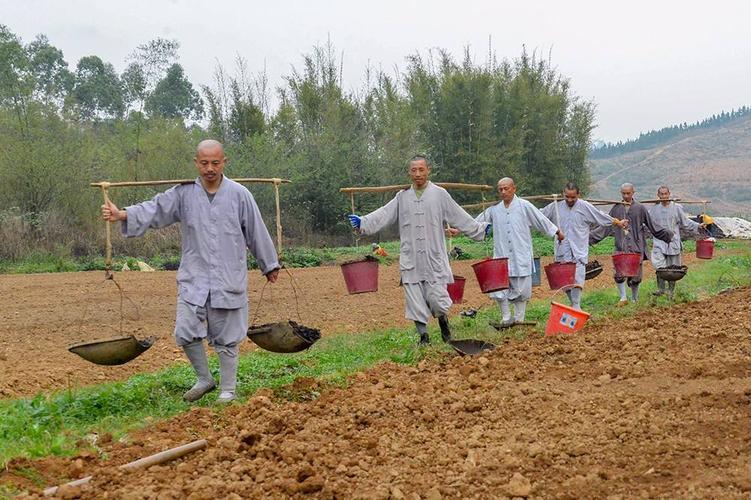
(520,288)
(423,300)
(659,259)
(220,327)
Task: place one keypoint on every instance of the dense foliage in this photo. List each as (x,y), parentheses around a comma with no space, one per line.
(63,126)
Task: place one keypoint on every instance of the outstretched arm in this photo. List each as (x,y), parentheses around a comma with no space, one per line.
(381,218)
(160,211)
(458,218)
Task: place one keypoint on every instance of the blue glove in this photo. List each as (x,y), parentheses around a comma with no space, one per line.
(354,221)
(488,230)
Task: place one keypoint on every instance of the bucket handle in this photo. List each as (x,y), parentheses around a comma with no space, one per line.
(566,288)
(295,292)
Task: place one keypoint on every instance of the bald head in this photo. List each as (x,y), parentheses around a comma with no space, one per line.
(209,144)
(506,190)
(210,161)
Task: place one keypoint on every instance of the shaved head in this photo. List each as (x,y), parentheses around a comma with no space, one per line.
(506,190)
(209,144)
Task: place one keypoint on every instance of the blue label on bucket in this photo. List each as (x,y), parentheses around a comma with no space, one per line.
(568,320)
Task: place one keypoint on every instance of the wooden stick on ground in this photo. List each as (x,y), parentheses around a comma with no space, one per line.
(142,463)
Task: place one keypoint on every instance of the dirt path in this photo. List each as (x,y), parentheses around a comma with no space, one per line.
(42,314)
(653,405)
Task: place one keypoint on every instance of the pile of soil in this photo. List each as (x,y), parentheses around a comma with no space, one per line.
(655,404)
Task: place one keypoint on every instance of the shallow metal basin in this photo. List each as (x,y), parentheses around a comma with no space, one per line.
(112,351)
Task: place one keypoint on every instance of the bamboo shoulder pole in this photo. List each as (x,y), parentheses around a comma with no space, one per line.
(278,219)
(399,187)
(156,459)
(241,180)
(108,236)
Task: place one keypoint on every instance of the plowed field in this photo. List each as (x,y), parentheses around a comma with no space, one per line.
(656,405)
(43,314)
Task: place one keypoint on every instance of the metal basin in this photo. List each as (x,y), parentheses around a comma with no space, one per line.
(283,337)
(113,351)
(592,270)
(672,273)
(471,346)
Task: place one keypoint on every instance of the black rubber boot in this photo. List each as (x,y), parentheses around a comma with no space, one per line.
(443,322)
(422,329)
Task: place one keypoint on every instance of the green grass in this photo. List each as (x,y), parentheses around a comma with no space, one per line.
(56,424)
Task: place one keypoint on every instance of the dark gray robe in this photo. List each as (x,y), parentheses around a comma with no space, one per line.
(634,239)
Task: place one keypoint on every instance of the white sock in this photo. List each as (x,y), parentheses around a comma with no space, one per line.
(505,309)
(622,290)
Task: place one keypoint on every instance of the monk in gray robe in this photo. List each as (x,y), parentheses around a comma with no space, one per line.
(672,216)
(512,220)
(633,239)
(219,222)
(575,218)
(421,213)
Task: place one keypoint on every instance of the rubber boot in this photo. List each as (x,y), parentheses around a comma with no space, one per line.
(196,354)
(576,298)
(671,289)
(635,293)
(505,311)
(520,310)
(622,292)
(228,359)
(422,329)
(660,287)
(443,322)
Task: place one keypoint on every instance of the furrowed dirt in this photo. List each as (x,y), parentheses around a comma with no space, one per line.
(43,314)
(656,405)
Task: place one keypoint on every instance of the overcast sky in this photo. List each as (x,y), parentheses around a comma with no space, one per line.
(646,64)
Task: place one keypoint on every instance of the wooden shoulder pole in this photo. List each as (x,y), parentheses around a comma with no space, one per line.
(108,236)
(278,218)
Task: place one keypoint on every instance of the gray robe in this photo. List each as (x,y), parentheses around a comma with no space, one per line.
(215,238)
(674,218)
(512,235)
(634,240)
(422,254)
(575,223)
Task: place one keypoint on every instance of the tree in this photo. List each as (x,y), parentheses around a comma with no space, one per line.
(98,91)
(174,97)
(53,79)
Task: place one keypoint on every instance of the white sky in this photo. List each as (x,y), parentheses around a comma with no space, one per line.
(647,64)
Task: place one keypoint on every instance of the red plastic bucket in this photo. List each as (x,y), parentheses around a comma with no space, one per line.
(565,319)
(560,274)
(456,289)
(492,274)
(361,276)
(704,249)
(627,264)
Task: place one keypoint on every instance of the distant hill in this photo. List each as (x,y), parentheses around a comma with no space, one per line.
(697,162)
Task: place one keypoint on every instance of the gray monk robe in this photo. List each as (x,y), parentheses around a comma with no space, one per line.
(423,258)
(674,218)
(633,239)
(215,237)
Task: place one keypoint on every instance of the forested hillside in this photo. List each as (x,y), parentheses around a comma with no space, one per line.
(64,125)
(702,162)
